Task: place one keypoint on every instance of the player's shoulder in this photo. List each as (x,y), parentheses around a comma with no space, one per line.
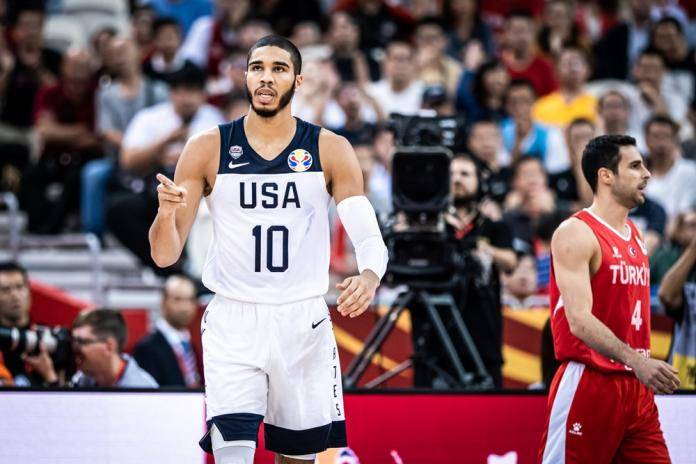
(573,236)
(334,149)
(202,151)
(331,141)
(206,139)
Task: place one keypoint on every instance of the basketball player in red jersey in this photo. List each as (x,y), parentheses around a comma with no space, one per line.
(601,403)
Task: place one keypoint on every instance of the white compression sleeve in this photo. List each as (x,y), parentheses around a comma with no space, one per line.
(359,220)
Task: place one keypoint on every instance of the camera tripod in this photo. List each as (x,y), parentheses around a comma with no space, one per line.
(434,300)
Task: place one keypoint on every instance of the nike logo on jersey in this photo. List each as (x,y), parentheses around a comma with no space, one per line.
(235,166)
(314,326)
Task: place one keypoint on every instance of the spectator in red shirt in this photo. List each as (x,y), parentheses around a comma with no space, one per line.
(64,119)
(520,56)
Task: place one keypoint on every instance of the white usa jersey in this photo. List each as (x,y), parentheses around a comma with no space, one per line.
(270,220)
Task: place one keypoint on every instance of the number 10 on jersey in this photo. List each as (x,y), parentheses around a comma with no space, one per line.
(258,237)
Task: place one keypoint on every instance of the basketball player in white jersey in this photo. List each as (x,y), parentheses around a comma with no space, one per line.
(268,347)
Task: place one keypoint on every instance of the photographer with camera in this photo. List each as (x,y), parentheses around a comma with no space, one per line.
(98,338)
(486,247)
(15,299)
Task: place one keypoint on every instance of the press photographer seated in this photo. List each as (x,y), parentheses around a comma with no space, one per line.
(486,246)
(98,339)
(15,300)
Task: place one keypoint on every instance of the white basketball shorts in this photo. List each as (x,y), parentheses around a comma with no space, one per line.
(276,363)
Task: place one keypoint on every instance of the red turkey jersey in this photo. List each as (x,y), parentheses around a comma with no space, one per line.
(620,297)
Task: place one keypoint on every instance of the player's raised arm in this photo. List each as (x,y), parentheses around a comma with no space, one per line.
(572,247)
(179,198)
(359,220)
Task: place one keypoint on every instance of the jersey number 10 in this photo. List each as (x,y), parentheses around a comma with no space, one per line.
(256,232)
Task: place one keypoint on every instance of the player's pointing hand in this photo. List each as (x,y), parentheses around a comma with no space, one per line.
(358,292)
(170,195)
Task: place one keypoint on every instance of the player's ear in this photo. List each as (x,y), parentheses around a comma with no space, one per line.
(605,175)
(298,81)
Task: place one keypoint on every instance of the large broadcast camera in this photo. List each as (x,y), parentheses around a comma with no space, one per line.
(57,341)
(419,248)
(423,255)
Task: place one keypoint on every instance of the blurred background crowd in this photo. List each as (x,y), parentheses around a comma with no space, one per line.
(97,96)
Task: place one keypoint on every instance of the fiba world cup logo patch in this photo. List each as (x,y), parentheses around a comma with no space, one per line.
(299,160)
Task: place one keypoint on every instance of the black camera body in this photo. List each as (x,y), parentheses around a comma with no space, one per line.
(420,248)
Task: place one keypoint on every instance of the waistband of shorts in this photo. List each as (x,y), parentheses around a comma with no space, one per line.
(229,300)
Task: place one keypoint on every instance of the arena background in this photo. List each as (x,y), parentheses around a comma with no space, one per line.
(80,264)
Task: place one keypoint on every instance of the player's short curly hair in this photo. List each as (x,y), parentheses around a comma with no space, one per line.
(280,42)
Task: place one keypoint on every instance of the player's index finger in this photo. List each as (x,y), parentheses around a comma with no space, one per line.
(165,180)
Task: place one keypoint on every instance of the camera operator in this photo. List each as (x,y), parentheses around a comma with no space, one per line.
(15,299)
(486,247)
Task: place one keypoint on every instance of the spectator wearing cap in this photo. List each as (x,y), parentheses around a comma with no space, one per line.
(672,183)
(520,56)
(435,99)
(524,135)
(152,143)
(400,91)
(98,339)
(571,100)
(166,58)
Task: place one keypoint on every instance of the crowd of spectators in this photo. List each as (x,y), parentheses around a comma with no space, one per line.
(84,130)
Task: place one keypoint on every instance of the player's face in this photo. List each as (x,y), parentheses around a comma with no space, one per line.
(270,80)
(632,178)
